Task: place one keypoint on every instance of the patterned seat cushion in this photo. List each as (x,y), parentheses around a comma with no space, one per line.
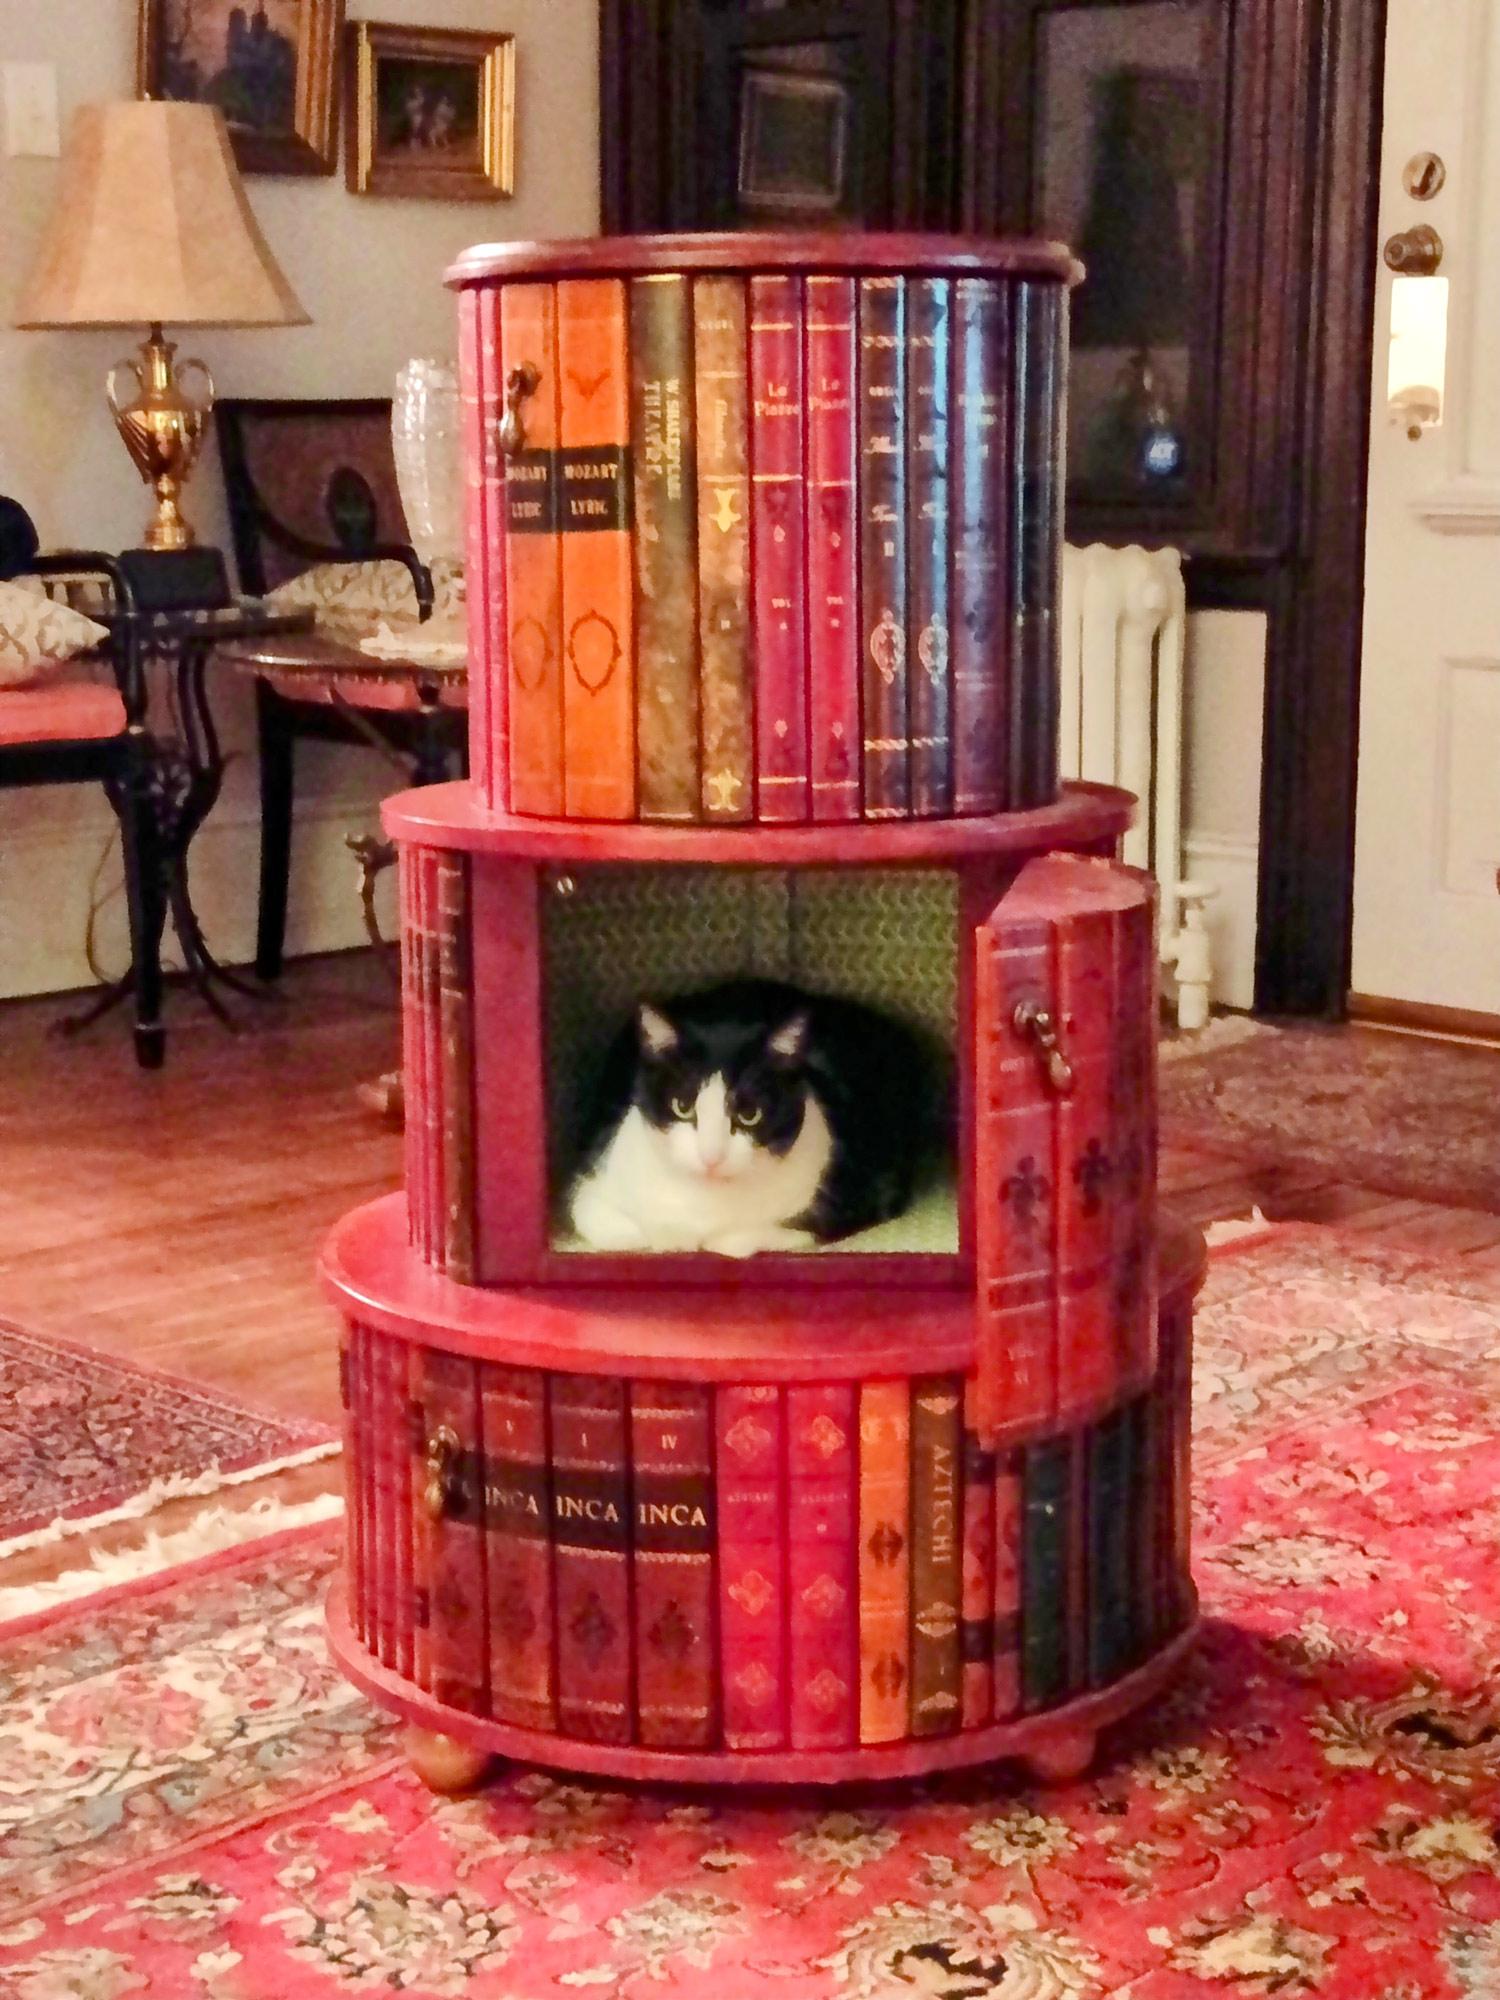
(38,635)
(72,713)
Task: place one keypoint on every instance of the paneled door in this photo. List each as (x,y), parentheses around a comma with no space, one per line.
(1426,910)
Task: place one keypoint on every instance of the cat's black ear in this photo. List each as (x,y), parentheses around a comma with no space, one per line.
(658,1036)
(789,1043)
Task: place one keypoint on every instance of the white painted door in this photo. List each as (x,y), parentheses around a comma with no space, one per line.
(1426,912)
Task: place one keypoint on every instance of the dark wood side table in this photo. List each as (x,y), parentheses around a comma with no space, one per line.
(184,773)
(366,691)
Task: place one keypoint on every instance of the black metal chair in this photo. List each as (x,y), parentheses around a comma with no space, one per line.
(77,734)
(315,482)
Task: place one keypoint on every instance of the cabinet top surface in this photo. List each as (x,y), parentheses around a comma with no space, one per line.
(451,815)
(768,250)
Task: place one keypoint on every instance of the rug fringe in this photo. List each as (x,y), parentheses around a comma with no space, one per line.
(171,1486)
(1224,1031)
(215,1529)
(1230,1229)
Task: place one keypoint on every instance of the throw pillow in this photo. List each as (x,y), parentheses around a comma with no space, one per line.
(38,636)
(364,594)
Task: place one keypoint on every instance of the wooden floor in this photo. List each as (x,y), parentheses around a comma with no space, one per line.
(175,1218)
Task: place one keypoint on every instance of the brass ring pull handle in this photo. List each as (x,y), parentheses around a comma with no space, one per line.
(442,1451)
(1035,1023)
(520,383)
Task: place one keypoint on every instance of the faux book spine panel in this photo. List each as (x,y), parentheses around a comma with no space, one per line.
(883,539)
(481,571)
(1064,1167)
(835,743)
(594,519)
(721,417)
(778,580)
(438,1051)
(663,456)
(754,1568)
(530,559)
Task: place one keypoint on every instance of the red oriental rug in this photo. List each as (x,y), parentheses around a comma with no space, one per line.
(1402,1113)
(82,1435)
(193,1807)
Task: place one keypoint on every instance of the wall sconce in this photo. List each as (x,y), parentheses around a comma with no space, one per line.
(1418,353)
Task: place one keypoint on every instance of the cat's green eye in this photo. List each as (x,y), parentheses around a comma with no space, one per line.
(682,1107)
(747,1120)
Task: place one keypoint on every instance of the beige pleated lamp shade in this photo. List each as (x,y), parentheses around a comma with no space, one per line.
(152,225)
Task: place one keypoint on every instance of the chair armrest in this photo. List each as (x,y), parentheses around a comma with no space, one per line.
(124,644)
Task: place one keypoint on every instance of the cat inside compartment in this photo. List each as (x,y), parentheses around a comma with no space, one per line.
(743,1061)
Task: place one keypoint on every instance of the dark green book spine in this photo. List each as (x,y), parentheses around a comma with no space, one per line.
(666,551)
(1040,365)
(1111,1511)
(1045,1608)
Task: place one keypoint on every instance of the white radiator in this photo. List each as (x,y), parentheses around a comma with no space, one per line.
(1124,633)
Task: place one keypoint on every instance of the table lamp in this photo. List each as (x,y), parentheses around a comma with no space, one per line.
(152,226)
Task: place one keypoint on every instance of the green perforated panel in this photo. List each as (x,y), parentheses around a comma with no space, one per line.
(615,936)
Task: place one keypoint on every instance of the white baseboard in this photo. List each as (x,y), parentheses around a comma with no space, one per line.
(64,854)
(1232,866)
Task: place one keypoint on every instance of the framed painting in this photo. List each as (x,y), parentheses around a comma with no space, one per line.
(268,65)
(431,113)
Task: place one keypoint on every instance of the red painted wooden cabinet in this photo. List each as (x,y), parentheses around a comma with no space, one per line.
(917,1499)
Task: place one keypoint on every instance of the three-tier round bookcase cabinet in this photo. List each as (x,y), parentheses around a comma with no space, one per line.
(763,587)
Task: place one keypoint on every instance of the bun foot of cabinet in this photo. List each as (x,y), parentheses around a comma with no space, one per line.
(1058,1759)
(444,1764)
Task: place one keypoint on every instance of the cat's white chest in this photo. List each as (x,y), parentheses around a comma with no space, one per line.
(638,1198)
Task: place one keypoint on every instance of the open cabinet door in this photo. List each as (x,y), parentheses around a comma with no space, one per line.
(1065,1145)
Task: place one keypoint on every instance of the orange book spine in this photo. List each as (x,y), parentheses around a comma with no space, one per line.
(884,1560)
(533,575)
(598,587)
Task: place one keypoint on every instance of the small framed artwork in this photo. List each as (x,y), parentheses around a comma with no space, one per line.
(794,137)
(432,112)
(269,65)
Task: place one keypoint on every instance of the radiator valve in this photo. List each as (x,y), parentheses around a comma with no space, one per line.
(1190,954)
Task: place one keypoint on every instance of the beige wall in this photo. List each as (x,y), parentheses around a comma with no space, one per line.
(369,271)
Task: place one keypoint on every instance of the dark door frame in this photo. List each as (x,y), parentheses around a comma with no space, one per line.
(1308,111)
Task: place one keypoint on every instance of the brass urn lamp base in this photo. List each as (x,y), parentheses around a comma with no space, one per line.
(162,426)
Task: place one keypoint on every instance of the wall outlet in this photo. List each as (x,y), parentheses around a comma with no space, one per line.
(31,123)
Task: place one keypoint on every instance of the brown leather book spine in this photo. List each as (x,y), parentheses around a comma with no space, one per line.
(977,1636)
(598,583)
(929,372)
(672,1495)
(721,408)
(531,555)
(456,1020)
(666,556)
(937,1553)
(518,1545)
(589,1421)
(452,1551)
(882,503)
(884,1560)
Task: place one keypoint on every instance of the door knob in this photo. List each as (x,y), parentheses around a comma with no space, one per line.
(1414,252)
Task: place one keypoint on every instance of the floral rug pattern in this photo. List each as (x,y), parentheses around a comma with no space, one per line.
(80,1432)
(1401,1113)
(192,1805)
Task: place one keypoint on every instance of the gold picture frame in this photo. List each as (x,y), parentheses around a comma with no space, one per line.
(432,112)
(269,65)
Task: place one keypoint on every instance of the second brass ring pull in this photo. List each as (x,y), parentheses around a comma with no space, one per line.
(1036,1022)
(442,1451)
(520,383)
